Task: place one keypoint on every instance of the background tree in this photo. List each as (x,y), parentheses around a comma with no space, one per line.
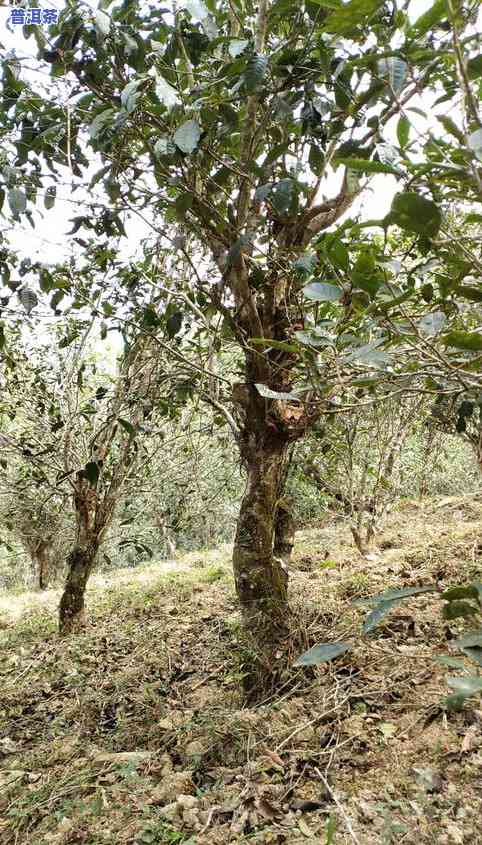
(80,433)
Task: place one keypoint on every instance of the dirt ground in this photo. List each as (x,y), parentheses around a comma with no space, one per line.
(135,731)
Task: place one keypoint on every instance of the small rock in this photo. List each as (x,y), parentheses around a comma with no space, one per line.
(7,746)
(191,819)
(187,801)
(170,812)
(173,785)
(455,834)
(195,748)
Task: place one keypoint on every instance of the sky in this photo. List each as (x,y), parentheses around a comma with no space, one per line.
(49,240)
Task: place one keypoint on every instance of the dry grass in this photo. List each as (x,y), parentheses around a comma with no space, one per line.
(361,745)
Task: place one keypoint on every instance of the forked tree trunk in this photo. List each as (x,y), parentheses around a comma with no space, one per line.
(80,564)
(261,577)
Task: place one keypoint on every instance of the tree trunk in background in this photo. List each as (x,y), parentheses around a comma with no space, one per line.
(38,552)
(80,564)
(171,546)
(43,566)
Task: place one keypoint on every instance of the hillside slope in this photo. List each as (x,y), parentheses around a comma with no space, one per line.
(134,731)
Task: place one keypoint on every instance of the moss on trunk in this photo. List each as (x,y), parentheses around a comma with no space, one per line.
(284,531)
(261,577)
(71,610)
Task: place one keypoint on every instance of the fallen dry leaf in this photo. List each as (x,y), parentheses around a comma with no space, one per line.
(471,739)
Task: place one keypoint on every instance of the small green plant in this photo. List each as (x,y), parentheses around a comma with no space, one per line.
(356,584)
(214,573)
(328,564)
(160,833)
(330,831)
(461,601)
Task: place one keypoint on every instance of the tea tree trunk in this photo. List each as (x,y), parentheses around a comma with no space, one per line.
(261,576)
(80,564)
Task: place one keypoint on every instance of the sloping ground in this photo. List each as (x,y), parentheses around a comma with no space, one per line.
(134,731)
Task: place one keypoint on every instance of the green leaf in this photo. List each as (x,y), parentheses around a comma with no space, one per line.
(187,136)
(274,344)
(100,122)
(236,47)
(310,339)
(130,44)
(369,354)
(415,213)
(56,298)
(129,99)
(255,72)
(376,615)
(327,4)
(456,609)
(91,472)
(150,318)
(465,686)
(346,19)
(184,203)
(467,592)
(452,662)
(282,195)
(196,8)
(474,67)
(339,254)
(322,292)
(474,653)
(451,127)
(475,143)
(163,147)
(403,131)
(432,323)
(305,264)
(126,425)
(102,24)
(361,165)
(316,159)
(321,654)
(28,298)
(471,341)
(430,18)
(17,200)
(454,702)
(166,93)
(174,323)
(470,293)
(68,339)
(263,191)
(395,70)
(49,198)
(395,595)
(471,640)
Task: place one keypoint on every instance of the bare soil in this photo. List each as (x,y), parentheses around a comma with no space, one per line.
(135,730)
